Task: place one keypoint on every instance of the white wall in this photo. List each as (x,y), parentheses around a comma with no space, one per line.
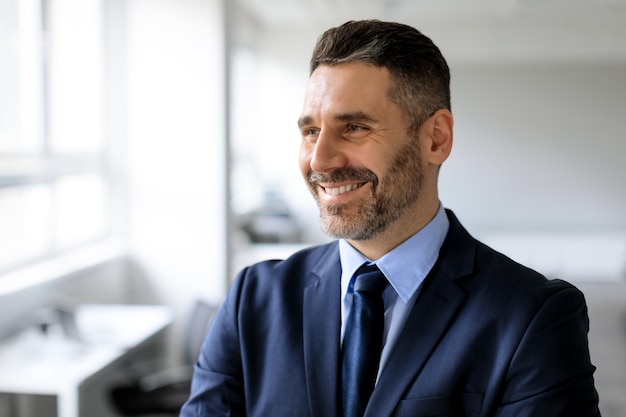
(539,147)
(537,168)
(176,146)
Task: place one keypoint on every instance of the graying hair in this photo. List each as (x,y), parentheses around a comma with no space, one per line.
(419,72)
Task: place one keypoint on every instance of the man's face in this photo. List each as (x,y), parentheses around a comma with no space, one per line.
(357,156)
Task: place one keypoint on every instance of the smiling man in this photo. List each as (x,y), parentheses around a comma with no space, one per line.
(405,314)
(374,183)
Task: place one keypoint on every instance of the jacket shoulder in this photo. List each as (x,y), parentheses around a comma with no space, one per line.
(489,274)
(306,259)
(293,273)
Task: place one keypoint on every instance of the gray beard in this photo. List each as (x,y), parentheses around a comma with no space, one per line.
(401,187)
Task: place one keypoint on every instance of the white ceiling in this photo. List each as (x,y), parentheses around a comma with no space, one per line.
(311,12)
(470,29)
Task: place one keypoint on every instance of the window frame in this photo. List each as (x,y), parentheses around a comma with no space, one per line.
(40,164)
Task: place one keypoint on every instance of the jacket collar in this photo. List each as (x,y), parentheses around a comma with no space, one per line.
(322,327)
(419,337)
(439,296)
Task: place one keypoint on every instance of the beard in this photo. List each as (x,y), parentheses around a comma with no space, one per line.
(389,199)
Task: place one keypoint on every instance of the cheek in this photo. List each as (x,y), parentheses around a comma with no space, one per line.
(379,166)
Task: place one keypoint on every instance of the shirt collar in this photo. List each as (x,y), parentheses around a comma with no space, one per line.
(407,265)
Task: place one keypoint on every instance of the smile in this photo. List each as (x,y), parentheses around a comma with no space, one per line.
(342,189)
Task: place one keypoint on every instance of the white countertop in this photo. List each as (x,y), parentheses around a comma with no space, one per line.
(37,363)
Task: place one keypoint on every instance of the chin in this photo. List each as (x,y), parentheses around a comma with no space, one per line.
(346,229)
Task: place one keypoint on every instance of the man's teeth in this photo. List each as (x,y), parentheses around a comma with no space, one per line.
(342,189)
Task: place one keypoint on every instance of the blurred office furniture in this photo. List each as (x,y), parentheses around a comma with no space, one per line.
(271,222)
(59,359)
(165,391)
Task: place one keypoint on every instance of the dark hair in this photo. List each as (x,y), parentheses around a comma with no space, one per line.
(419,72)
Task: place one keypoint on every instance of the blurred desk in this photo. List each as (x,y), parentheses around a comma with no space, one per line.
(34,363)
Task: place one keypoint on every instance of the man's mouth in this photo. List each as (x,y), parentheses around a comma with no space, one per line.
(341,189)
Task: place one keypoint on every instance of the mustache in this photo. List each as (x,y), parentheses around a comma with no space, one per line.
(344,174)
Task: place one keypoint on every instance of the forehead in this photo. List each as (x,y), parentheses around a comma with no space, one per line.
(346,87)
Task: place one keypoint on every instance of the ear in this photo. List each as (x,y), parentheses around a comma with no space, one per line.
(439,137)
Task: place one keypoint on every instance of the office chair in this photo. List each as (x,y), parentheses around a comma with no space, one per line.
(163,393)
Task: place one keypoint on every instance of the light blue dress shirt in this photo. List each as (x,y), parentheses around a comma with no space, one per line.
(405,267)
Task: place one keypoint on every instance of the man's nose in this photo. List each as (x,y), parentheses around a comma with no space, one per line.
(328,153)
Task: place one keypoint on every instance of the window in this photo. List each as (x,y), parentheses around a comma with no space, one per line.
(54,178)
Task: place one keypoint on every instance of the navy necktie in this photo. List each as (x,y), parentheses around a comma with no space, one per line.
(362,340)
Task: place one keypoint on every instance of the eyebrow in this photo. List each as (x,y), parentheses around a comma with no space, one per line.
(358,116)
(304,120)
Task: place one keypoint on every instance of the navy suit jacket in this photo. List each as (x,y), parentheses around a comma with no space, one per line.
(486,337)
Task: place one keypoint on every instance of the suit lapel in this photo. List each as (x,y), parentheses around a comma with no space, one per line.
(428,321)
(322,327)
(418,339)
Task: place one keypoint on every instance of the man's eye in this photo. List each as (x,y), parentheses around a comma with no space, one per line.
(308,132)
(356,128)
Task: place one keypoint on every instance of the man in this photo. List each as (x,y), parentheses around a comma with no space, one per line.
(467,331)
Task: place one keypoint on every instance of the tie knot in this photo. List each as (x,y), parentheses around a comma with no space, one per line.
(369,278)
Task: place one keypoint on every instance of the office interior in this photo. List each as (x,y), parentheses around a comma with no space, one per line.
(148,151)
